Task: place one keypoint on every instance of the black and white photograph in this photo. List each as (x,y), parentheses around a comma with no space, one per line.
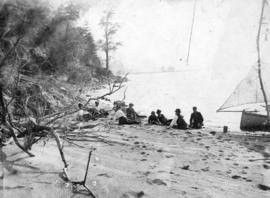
(134,98)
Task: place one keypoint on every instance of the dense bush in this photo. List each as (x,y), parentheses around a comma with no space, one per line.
(46,41)
(37,42)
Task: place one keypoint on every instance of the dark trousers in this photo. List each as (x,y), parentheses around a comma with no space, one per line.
(179,127)
(196,125)
(123,121)
(153,122)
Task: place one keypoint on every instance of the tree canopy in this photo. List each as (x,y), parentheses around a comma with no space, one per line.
(37,40)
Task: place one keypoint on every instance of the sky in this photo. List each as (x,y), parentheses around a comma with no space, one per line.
(155,34)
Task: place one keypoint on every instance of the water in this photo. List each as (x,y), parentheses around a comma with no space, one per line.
(168,91)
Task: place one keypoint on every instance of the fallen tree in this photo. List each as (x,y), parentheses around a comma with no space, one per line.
(26,77)
(34,131)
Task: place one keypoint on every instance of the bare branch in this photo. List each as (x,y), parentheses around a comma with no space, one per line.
(16,140)
(15,87)
(60,148)
(116,87)
(56,116)
(9,125)
(124,95)
(10,51)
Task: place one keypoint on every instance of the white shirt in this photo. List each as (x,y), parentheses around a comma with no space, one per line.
(97,108)
(82,112)
(174,121)
(118,114)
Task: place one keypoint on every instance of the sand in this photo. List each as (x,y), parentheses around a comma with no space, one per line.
(144,161)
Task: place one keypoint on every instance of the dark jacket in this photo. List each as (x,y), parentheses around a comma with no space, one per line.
(131,114)
(153,119)
(181,123)
(196,120)
(162,119)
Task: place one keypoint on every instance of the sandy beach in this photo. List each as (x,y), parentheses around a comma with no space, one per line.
(69,70)
(144,161)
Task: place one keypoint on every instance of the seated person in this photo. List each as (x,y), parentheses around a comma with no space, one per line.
(97,108)
(196,119)
(121,117)
(153,119)
(162,119)
(178,121)
(100,112)
(97,112)
(118,103)
(131,113)
(83,115)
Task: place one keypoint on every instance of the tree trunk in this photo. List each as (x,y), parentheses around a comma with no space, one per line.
(4,112)
(3,107)
(107,60)
(65,40)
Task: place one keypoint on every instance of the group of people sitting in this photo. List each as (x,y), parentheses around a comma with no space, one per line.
(129,116)
(124,115)
(178,122)
(92,113)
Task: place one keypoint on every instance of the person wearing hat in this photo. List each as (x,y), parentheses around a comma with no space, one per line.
(121,117)
(178,121)
(196,119)
(83,115)
(162,119)
(97,106)
(131,113)
(95,111)
(153,119)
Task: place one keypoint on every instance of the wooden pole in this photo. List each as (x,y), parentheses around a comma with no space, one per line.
(259,60)
(191,30)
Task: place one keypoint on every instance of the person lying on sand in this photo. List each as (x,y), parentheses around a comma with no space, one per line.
(153,119)
(178,121)
(196,119)
(121,117)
